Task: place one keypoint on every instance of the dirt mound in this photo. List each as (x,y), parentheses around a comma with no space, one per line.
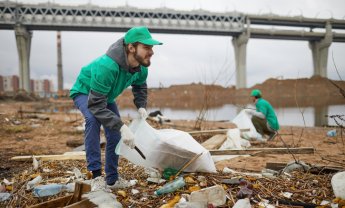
(314,91)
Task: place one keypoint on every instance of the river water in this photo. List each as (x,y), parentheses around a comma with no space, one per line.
(306,116)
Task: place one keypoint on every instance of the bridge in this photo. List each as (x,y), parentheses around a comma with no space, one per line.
(25,18)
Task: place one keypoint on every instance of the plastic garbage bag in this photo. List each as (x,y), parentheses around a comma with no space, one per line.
(338,184)
(234,140)
(165,148)
(102,198)
(243,121)
(242,203)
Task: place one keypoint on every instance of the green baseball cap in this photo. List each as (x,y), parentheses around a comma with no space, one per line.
(141,35)
(256,93)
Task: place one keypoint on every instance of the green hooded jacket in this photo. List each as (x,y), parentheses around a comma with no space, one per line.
(266,108)
(106,77)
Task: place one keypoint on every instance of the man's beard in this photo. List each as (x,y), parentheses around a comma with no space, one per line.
(141,60)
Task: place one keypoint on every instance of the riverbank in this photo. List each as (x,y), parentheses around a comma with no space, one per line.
(47,133)
(25,131)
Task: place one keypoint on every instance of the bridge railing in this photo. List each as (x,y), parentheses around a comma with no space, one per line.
(49,16)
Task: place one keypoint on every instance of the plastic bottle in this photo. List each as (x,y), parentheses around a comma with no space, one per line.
(33,182)
(4,196)
(332,133)
(48,190)
(172,186)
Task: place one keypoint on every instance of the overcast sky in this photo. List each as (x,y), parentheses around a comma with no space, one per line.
(185,59)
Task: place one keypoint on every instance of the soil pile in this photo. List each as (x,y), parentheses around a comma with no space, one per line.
(316,91)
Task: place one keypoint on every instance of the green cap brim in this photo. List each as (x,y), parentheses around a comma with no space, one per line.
(150,41)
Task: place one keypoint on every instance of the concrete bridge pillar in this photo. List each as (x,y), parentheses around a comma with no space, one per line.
(240,47)
(320,114)
(319,51)
(23,39)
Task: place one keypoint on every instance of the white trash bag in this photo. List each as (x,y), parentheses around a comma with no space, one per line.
(243,121)
(338,184)
(234,140)
(165,148)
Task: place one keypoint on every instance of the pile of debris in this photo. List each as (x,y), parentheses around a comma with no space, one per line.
(63,181)
(221,189)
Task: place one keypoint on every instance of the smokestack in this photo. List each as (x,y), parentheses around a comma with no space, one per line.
(59,62)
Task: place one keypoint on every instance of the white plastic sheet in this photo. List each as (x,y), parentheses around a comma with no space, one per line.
(243,121)
(234,140)
(338,184)
(166,148)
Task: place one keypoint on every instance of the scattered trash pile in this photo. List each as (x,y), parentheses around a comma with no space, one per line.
(226,188)
(184,176)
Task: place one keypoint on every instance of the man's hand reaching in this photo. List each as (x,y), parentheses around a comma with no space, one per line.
(142,112)
(127,136)
(250,111)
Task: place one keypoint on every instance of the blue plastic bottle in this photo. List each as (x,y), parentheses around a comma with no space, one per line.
(172,186)
(48,190)
(332,133)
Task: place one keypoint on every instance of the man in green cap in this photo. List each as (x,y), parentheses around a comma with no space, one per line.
(264,118)
(94,93)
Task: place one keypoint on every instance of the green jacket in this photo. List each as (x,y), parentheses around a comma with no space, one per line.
(106,77)
(266,108)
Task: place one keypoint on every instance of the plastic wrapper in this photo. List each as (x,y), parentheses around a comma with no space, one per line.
(165,148)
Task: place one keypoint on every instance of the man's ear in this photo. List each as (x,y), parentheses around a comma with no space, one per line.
(131,48)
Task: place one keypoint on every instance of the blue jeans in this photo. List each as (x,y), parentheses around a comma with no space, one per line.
(92,140)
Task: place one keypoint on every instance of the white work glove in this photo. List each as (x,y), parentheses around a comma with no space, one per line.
(249,111)
(127,136)
(255,113)
(142,112)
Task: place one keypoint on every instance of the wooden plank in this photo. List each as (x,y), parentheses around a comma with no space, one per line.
(79,189)
(70,200)
(77,156)
(275,165)
(59,202)
(208,131)
(80,144)
(214,131)
(50,157)
(26,111)
(188,164)
(315,169)
(214,142)
(302,150)
(74,142)
(326,169)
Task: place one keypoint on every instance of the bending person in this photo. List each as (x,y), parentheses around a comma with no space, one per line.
(94,93)
(264,118)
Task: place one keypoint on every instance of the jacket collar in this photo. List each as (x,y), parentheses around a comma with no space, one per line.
(117,52)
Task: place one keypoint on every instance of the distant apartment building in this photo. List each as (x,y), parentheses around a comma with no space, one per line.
(1,84)
(42,88)
(9,83)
